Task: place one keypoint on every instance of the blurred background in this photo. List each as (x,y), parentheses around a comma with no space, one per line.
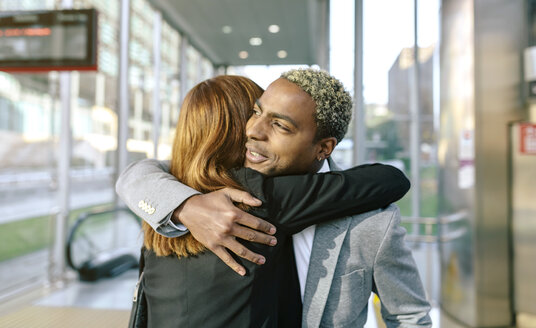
(443,90)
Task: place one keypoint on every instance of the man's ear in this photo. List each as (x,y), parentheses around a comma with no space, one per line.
(326,147)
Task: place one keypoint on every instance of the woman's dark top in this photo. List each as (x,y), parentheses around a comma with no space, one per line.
(201,291)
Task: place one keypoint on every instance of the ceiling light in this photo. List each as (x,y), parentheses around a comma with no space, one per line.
(256,41)
(282,54)
(226,29)
(273,28)
(243,54)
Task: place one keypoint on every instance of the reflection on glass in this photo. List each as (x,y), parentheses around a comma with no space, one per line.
(389,66)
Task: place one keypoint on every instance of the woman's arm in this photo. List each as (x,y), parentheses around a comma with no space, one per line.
(298,201)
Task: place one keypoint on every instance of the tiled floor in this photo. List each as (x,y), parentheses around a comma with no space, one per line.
(107,301)
(111,299)
(111,294)
(64,317)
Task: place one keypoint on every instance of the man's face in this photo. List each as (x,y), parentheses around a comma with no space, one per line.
(281,131)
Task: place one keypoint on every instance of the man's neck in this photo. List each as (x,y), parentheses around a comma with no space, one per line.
(317,165)
(325,167)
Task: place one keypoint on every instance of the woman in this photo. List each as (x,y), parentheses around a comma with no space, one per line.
(187,287)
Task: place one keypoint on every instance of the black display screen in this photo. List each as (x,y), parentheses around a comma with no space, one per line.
(52,40)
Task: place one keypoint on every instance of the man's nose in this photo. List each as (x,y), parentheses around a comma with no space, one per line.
(256,129)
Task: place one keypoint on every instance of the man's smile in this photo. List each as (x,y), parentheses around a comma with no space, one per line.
(254,156)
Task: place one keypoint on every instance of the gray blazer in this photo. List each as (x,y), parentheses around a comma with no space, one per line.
(351,257)
(354,256)
(150,191)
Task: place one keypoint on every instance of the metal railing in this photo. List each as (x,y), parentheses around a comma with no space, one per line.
(441,229)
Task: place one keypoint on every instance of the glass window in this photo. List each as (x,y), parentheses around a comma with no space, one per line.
(341,66)
(390,91)
(387,54)
(30,113)
(140,143)
(29,129)
(207,70)
(192,70)
(16,5)
(169,88)
(27,169)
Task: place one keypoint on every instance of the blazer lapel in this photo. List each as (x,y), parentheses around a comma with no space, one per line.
(327,243)
(332,165)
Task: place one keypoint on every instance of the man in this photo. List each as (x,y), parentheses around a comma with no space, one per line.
(296,125)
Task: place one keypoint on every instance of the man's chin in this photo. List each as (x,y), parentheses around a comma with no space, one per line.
(259,167)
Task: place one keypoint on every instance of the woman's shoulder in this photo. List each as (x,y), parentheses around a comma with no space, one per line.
(250,179)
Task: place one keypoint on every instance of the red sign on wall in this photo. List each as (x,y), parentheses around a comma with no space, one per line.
(528,139)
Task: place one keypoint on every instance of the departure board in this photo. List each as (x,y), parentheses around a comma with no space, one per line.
(47,41)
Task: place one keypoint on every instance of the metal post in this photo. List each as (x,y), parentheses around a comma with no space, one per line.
(183,68)
(53,91)
(359,135)
(415,137)
(157,60)
(432,250)
(57,264)
(122,121)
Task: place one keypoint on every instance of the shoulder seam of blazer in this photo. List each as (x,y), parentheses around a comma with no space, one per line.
(393,210)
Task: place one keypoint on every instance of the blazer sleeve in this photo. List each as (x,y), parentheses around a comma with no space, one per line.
(152,193)
(397,283)
(295,202)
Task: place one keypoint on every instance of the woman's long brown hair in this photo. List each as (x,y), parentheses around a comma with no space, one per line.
(210,139)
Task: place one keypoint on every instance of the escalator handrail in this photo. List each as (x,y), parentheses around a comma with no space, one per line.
(83,217)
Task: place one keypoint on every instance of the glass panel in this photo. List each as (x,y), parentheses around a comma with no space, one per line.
(169,88)
(192,70)
(140,144)
(30,123)
(207,70)
(94,116)
(341,66)
(28,120)
(387,51)
(428,41)
(17,5)
(389,91)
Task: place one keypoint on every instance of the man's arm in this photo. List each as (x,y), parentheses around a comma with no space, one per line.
(294,202)
(153,194)
(397,282)
(156,196)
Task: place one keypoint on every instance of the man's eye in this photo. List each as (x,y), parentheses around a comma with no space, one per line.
(256,112)
(280,126)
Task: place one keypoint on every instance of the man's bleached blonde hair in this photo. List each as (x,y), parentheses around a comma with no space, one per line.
(333,102)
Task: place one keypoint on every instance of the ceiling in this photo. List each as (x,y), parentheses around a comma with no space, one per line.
(302,29)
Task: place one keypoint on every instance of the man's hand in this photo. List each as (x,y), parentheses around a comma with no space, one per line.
(215,222)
